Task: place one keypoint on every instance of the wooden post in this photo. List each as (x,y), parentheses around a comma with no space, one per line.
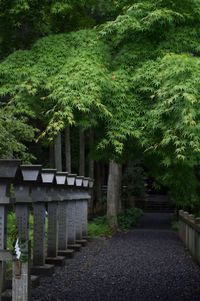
(68,149)
(3,240)
(113,193)
(21,274)
(8,169)
(58,152)
(81,152)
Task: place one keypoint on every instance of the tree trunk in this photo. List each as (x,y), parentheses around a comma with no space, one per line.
(113,193)
(68,149)
(91,161)
(91,167)
(82,153)
(119,183)
(51,156)
(98,192)
(58,152)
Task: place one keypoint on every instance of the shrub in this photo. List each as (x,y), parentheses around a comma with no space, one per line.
(129,218)
(99,227)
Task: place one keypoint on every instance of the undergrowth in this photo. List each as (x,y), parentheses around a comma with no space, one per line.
(100,227)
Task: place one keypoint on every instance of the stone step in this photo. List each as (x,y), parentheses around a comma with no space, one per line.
(158,210)
(82,242)
(69,253)
(75,247)
(158,206)
(59,260)
(45,270)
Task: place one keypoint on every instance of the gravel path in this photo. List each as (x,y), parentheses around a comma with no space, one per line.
(145,264)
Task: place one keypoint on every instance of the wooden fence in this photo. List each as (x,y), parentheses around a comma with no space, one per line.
(189,232)
(58,202)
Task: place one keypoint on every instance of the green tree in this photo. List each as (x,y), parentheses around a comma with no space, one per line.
(134,79)
(22,22)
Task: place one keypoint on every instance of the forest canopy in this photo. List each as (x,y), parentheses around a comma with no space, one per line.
(130,70)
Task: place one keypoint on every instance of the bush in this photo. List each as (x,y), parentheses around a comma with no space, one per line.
(99,227)
(129,218)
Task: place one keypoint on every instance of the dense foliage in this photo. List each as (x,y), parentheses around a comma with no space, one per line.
(14,131)
(156,46)
(135,79)
(22,22)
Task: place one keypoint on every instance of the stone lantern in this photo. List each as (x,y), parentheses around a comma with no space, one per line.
(62,212)
(65,182)
(91,183)
(86,198)
(40,198)
(71,178)
(51,178)
(8,170)
(22,193)
(79,195)
(72,181)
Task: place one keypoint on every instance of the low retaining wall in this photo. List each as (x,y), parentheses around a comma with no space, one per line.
(189,232)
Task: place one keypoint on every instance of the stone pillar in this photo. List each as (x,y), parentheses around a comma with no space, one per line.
(39,211)
(62,222)
(71,211)
(52,229)
(84,218)
(21,274)
(79,219)
(3,234)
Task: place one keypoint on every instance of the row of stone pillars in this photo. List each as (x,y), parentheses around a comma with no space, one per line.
(59,198)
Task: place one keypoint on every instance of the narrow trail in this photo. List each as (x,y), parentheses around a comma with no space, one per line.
(145,264)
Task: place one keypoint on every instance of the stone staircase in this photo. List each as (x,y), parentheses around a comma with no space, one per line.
(158,203)
(155,203)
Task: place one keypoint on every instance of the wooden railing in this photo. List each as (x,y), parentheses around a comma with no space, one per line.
(189,232)
(58,197)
